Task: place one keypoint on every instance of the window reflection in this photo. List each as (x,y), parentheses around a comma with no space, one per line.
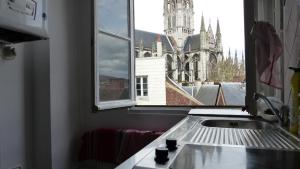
(113,68)
(112,16)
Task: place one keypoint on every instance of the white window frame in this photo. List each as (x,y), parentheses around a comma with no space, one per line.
(249,53)
(142,86)
(249,20)
(102,105)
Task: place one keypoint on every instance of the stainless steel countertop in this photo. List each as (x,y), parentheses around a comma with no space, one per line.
(234,157)
(190,131)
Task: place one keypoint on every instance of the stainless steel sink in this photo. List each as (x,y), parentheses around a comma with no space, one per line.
(241,124)
(240,131)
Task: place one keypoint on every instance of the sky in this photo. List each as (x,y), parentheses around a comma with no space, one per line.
(149,17)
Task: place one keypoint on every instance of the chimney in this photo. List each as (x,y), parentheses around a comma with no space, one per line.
(159,46)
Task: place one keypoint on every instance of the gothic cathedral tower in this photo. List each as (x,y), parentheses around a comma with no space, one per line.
(179,20)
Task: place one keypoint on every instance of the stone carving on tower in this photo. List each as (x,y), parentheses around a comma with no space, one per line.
(178,20)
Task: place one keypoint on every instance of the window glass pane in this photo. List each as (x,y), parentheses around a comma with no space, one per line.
(112,16)
(138,80)
(144,86)
(138,93)
(144,80)
(113,68)
(138,86)
(145,93)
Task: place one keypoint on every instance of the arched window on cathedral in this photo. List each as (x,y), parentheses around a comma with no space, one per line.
(213,76)
(147,54)
(212,59)
(169,22)
(195,59)
(174,21)
(187,66)
(169,66)
(179,66)
(184,20)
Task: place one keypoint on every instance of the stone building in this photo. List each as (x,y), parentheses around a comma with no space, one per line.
(190,58)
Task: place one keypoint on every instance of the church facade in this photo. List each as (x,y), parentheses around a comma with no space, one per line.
(190,58)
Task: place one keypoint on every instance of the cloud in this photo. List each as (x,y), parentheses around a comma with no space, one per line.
(114,18)
(114,58)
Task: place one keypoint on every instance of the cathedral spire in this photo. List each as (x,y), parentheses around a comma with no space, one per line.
(202,24)
(236,61)
(210,36)
(203,35)
(218,28)
(219,45)
(209,29)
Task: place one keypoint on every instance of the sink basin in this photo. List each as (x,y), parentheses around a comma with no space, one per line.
(240,124)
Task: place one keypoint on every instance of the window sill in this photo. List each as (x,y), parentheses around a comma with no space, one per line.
(196,110)
(219,112)
(115,104)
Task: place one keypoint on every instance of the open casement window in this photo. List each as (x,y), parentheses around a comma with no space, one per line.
(113,53)
(268,11)
(271,11)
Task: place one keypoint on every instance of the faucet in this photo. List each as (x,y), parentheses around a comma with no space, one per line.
(282,114)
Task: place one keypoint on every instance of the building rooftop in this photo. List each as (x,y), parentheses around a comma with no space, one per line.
(192,43)
(234,93)
(149,38)
(176,95)
(208,94)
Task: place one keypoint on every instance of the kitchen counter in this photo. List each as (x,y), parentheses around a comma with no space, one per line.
(234,157)
(177,131)
(190,131)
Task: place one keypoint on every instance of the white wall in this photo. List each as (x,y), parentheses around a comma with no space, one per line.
(40,119)
(16,109)
(154,68)
(64,81)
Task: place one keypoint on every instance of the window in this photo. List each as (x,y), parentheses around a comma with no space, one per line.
(142,86)
(168,58)
(113,25)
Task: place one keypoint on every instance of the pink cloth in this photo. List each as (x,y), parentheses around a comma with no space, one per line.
(133,141)
(114,145)
(268,49)
(101,145)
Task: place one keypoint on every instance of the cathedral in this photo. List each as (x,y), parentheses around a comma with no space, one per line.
(190,58)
